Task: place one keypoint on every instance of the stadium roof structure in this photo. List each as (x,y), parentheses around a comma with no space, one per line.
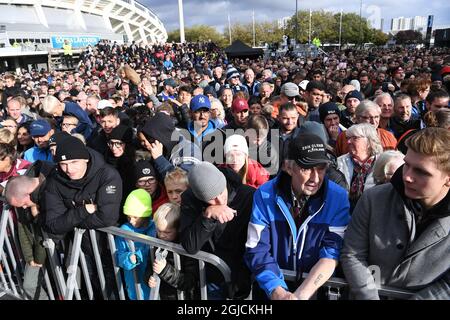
(109,19)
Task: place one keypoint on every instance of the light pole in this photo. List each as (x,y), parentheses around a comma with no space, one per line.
(340,30)
(180,14)
(310,16)
(229,26)
(296,21)
(254,32)
(360,23)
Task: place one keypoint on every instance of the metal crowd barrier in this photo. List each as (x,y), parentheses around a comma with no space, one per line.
(65,276)
(334,286)
(11,260)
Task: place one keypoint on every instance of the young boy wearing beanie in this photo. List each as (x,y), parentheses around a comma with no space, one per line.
(147,179)
(138,208)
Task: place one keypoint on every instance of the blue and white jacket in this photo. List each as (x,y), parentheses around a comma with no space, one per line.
(273,241)
(123,259)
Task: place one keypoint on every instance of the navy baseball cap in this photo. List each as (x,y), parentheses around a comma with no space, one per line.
(39,128)
(308,151)
(200,101)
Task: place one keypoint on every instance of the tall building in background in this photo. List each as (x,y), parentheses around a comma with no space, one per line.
(417,23)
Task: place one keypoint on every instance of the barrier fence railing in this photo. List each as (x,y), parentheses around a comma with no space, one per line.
(67,263)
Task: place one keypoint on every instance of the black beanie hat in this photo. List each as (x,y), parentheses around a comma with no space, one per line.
(122,133)
(354,94)
(328,108)
(71,148)
(58,137)
(144,168)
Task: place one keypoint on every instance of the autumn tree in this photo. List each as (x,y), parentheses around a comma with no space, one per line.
(198,33)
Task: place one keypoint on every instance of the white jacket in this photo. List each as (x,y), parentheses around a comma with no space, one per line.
(345,165)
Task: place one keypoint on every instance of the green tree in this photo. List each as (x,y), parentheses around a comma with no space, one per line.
(241,32)
(325,26)
(378,37)
(264,32)
(198,33)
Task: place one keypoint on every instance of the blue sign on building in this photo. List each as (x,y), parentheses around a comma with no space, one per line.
(77,41)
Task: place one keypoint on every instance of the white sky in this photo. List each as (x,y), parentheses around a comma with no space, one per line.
(215,12)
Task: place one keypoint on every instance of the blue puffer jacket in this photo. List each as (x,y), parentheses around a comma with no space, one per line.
(123,259)
(273,241)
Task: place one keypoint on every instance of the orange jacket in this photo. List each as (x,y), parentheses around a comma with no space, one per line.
(387,139)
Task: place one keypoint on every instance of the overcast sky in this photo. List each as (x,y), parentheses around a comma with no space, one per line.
(215,12)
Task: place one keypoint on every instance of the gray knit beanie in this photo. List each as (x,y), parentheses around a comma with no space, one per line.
(206,181)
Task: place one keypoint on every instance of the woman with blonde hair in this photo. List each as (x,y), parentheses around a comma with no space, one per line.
(6,136)
(129,75)
(217,113)
(251,172)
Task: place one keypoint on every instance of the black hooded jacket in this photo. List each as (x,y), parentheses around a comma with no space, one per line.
(65,199)
(160,128)
(177,150)
(228,239)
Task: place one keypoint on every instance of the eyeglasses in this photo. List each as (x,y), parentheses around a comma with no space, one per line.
(148,182)
(66,125)
(355,138)
(115,144)
(297,98)
(203,111)
(370,118)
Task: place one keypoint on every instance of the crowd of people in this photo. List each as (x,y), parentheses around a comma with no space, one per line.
(333,165)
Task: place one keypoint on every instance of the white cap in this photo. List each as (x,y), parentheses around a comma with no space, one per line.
(102,104)
(303,84)
(235,142)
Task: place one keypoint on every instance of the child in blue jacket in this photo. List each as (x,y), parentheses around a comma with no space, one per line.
(138,208)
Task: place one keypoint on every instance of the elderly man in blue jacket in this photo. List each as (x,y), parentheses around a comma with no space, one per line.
(297,224)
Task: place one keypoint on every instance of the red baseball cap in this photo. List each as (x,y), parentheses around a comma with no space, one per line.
(239,105)
(445,70)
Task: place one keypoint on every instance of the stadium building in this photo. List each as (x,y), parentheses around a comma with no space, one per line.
(31,27)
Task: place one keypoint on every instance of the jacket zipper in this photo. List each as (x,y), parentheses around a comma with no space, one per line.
(295,239)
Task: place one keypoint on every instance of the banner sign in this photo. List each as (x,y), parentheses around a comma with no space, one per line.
(76,41)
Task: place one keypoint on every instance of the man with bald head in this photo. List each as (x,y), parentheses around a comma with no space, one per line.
(250,82)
